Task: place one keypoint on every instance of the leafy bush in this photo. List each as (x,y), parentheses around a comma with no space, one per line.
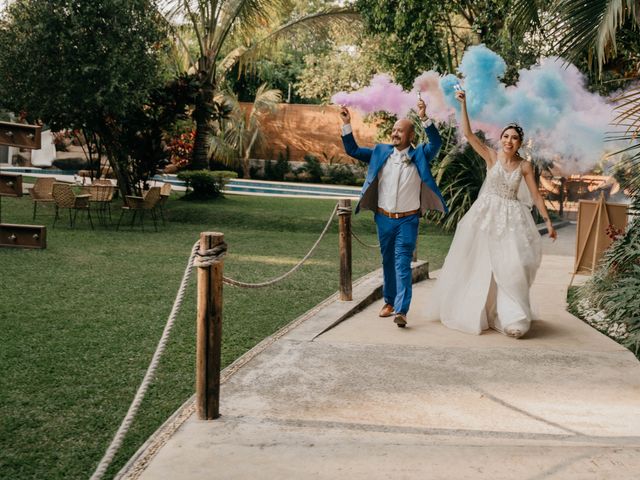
(340,175)
(277,170)
(205,184)
(311,171)
(614,286)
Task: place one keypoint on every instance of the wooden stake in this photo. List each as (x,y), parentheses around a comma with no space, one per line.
(344,221)
(209,332)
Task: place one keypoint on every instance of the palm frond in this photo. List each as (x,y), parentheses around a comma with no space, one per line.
(267,99)
(524,15)
(335,16)
(250,16)
(629,110)
(590,26)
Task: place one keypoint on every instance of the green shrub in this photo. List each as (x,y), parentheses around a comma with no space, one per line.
(205,184)
(340,175)
(277,170)
(614,286)
(311,170)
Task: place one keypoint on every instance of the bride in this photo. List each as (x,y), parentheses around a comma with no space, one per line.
(496,250)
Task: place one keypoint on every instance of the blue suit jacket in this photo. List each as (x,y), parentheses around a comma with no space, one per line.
(376,157)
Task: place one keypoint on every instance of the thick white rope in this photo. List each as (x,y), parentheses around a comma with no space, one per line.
(353,234)
(148,377)
(236,283)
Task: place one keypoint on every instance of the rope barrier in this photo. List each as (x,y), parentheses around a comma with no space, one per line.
(148,377)
(343,210)
(200,260)
(236,283)
(208,257)
(353,234)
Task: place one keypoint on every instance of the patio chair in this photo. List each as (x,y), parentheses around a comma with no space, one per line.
(141,205)
(102,181)
(65,197)
(101,197)
(41,192)
(165,192)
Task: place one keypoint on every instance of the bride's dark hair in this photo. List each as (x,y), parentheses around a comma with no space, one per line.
(515,127)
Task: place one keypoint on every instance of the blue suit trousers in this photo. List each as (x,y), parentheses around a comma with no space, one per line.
(397,238)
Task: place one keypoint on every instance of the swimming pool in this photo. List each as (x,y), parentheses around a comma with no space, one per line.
(235,186)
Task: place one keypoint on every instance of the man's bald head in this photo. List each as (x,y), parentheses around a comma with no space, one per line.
(402,134)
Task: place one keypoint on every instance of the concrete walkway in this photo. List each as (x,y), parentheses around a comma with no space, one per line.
(367,400)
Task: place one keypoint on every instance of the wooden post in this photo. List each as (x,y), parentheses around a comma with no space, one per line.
(209,332)
(562,187)
(344,220)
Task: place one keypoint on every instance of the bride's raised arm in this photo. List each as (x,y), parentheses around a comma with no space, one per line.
(487,153)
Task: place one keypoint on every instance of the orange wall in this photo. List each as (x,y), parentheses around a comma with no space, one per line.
(310,129)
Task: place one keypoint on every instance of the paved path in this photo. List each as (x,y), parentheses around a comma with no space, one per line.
(367,400)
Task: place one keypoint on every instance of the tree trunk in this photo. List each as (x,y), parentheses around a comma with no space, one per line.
(200,153)
(202,114)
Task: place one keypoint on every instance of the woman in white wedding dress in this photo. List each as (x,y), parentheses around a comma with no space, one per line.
(496,250)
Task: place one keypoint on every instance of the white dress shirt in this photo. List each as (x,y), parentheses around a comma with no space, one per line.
(398,181)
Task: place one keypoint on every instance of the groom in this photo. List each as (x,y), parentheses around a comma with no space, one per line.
(399,189)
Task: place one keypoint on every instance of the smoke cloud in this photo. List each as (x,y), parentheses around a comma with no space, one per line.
(563,121)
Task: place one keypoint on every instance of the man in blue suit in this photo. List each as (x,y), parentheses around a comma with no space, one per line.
(399,189)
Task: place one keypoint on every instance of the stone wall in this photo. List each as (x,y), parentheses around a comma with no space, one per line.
(313,129)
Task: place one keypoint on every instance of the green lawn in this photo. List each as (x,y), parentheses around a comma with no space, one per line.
(80,320)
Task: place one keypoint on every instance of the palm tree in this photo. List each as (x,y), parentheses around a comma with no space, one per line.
(241,132)
(220,25)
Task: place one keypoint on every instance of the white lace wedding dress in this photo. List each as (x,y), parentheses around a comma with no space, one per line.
(492,262)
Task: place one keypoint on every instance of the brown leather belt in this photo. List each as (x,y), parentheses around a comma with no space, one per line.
(396,215)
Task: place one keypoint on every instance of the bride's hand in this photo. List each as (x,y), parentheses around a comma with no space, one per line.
(552,233)
(460,96)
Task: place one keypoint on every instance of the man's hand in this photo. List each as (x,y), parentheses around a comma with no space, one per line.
(422,109)
(345,115)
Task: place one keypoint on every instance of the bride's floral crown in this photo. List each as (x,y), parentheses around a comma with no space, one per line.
(516,127)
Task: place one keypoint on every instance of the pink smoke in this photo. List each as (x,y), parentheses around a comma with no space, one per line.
(381,95)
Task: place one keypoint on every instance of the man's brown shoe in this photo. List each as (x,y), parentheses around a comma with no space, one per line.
(387,310)
(400,320)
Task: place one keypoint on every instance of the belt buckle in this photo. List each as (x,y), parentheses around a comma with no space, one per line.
(396,215)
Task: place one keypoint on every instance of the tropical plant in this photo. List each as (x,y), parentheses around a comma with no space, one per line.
(279,169)
(311,170)
(228,31)
(459,174)
(242,130)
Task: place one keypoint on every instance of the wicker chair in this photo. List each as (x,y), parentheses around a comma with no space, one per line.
(141,205)
(41,192)
(102,181)
(165,192)
(64,197)
(101,197)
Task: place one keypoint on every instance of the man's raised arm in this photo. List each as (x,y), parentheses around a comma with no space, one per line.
(350,145)
(435,141)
